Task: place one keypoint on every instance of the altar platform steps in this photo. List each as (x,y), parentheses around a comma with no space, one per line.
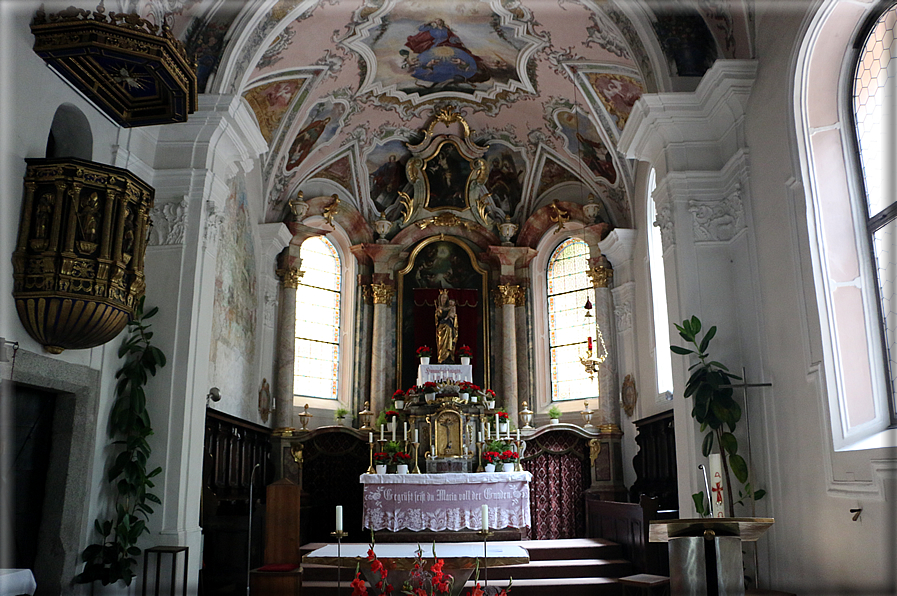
(572,567)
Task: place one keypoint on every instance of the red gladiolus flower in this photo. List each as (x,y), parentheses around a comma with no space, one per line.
(358,587)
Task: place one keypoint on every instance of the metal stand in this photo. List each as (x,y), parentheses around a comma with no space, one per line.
(339,558)
(485,534)
(480,467)
(371,469)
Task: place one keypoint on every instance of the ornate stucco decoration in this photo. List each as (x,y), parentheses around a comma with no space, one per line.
(629,395)
(508,294)
(717,220)
(448,174)
(290,277)
(624,297)
(601,276)
(444,220)
(169,224)
(382,293)
(121,62)
(78,264)
(664,221)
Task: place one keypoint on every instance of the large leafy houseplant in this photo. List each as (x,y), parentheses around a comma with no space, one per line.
(113,558)
(710,384)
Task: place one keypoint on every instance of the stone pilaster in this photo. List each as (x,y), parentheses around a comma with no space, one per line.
(286,349)
(608,405)
(506,298)
(382,295)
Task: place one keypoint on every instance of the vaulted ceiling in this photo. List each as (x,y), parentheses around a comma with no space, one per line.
(339,87)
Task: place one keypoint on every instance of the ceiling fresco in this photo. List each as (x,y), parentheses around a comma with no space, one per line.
(342,88)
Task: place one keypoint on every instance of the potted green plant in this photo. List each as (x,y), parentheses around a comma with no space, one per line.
(340,414)
(554,414)
(716,411)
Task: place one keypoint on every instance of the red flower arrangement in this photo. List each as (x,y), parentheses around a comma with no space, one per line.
(399,394)
(489,394)
(400,457)
(509,457)
(381,458)
(502,416)
(429,387)
(465,351)
(468,387)
(491,457)
(390,413)
(423,352)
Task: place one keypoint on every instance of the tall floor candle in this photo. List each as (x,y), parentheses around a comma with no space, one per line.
(339,518)
(717,486)
(485,517)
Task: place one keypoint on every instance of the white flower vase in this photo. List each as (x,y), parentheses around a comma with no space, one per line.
(402,469)
(381,468)
(507,467)
(465,397)
(465,360)
(425,360)
(400,404)
(503,427)
(553,420)
(340,421)
(490,404)
(430,397)
(490,467)
(473,398)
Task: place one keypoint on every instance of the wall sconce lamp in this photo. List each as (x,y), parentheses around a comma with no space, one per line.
(213,396)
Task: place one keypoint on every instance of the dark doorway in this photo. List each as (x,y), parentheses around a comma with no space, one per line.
(33,444)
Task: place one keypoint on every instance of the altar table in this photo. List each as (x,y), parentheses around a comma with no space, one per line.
(460,559)
(438,502)
(14,582)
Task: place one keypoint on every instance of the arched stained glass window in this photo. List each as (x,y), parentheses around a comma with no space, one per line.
(568,330)
(317,321)
(876,122)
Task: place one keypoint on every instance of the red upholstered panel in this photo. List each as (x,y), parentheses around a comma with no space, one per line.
(559,464)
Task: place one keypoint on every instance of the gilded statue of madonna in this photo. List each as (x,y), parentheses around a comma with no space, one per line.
(446,327)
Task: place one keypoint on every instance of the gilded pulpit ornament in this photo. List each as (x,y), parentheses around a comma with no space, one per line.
(383,293)
(290,277)
(78,264)
(629,395)
(121,62)
(446,327)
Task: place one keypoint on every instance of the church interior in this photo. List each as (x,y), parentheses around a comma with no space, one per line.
(285,277)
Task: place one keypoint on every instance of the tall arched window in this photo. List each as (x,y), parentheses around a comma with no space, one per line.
(568,330)
(663,362)
(318,321)
(875,117)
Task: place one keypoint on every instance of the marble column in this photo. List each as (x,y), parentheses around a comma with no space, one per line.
(286,349)
(506,298)
(602,276)
(382,295)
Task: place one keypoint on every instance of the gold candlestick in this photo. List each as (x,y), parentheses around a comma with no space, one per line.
(517,466)
(416,469)
(371,469)
(480,468)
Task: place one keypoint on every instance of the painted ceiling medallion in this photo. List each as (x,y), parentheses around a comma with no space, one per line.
(479,52)
(121,62)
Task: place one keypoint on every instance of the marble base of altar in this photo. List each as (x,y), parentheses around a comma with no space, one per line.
(445,502)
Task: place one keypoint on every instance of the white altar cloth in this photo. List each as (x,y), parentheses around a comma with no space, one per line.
(438,502)
(440,372)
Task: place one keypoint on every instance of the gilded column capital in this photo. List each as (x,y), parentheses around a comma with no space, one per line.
(289,277)
(601,276)
(382,293)
(509,294)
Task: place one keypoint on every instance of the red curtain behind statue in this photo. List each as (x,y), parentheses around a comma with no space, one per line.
(466,302)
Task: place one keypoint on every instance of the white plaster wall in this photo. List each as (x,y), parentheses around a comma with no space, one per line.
(814,548)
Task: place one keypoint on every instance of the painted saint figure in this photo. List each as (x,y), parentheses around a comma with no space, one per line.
(446,327)
(305,142)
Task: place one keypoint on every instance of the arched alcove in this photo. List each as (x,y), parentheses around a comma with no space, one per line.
(70,134)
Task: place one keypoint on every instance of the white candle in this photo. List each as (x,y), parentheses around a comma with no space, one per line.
(382,430)
(509,431)
(717,486)
(480,437)
(518,435)
(339,518)
(485,517)
(497,432)
(371,437)
(393,429)
(416,436)
(406,431)
(488,432)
